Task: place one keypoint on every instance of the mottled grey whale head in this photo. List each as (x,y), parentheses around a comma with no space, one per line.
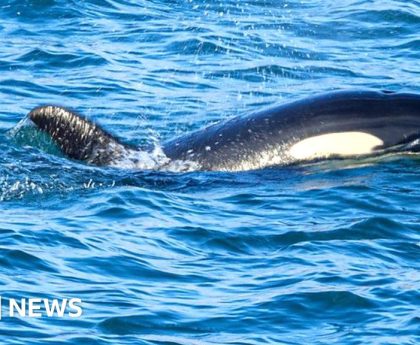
(76,136)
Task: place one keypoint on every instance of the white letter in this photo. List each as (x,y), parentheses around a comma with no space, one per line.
(55,306)
(73,306)
(33,307)
(14,305)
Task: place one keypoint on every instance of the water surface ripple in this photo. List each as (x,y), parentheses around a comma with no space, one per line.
(326,253)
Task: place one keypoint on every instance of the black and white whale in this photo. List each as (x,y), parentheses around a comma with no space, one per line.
(335,124)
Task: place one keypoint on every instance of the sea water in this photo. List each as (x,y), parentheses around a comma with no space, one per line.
(323,253)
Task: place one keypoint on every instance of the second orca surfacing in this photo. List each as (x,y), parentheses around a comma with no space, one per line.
(334,124)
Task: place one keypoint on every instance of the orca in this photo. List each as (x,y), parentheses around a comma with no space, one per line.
(335,124)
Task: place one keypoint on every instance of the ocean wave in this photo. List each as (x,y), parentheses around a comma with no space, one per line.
(315,253)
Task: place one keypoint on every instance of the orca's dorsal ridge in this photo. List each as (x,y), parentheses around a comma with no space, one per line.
(341,123)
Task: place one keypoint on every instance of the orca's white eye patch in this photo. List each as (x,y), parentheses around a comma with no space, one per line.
(335,144)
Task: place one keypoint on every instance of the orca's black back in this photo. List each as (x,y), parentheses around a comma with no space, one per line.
(392,117)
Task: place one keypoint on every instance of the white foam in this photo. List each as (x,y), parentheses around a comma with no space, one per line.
(152,160)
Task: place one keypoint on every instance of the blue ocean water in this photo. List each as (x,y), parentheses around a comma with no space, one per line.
(312,254)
